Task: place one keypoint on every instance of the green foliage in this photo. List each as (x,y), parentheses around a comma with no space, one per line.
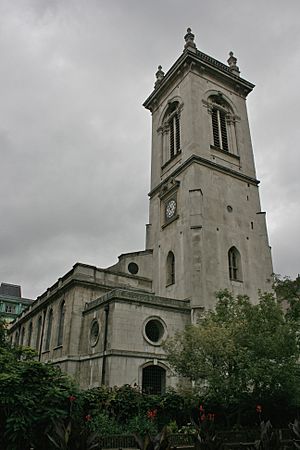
(158,442)
(288,294)
(32,395)
(141,425)
(66,435)
(269,438)
(240,354)
(295,428)
(127,408)
(105,424)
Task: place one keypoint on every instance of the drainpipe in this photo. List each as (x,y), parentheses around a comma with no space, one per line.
(42,334)
(106,310)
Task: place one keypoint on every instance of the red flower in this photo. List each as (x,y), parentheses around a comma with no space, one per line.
(72,398)
(88,418)
(201,408)
(258,409)
(202,417)
(151,414)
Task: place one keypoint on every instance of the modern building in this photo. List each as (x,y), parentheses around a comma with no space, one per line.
(206,232)
(11,302)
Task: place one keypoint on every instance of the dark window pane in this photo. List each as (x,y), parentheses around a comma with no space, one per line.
(215,125)
(154,380)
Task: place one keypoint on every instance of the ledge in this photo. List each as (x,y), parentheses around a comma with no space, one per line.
(170,221)
(142,298)
(207,163)
(224,152)
(58,347)
(170,160)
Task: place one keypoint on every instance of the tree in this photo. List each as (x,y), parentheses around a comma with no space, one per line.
(241,354)
(33,395)
(288,294)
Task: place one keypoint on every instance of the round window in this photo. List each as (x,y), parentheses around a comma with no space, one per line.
(154,331)
(94,335)
(133,268)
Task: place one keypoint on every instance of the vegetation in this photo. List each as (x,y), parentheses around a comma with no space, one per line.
(242,358)
(33,395)
(43,408)
(240,355)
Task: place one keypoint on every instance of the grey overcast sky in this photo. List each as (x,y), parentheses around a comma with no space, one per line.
(75,139)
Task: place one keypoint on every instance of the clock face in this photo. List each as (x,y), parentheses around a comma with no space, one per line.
(170,208)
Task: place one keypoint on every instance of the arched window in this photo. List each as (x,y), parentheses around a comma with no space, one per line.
(22,336)
(61,322)
(29,335)
(171,130)
(170,268)
(17,337)
(154,380)
(234,264)
(38,333)
(223,130)
(49,329)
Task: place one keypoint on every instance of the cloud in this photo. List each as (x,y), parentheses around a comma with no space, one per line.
(75,140)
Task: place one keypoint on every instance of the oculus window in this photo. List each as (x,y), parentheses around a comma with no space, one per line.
(94,333)
(154,330)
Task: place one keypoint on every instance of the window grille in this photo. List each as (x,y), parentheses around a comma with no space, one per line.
(154,380)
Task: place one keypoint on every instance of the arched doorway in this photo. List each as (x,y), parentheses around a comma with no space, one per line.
(154,380)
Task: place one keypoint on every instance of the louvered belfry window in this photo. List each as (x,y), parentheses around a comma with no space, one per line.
(174,130)
(219,129)
(215,125)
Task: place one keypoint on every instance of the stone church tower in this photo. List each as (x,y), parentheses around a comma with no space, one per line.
(206,228)
(206,232)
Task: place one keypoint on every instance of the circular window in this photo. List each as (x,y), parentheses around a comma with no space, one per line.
(133,268)
(229,208)
(94,334)
(154,331)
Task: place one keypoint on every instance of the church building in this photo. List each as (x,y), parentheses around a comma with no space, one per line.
(206,232)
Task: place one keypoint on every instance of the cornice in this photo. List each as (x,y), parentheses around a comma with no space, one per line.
(142,298)
(207,163)
(190,59)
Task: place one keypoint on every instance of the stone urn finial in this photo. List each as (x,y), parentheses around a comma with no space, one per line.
(159,76)
(189,40)
(232,64)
